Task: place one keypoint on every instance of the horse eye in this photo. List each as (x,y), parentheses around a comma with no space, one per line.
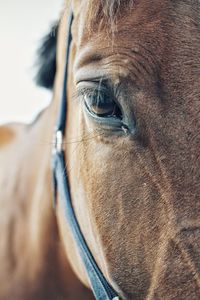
(102,106)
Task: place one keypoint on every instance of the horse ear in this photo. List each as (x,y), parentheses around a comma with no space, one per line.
(46,59)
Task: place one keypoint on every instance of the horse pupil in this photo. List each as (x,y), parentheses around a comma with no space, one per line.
(102,105)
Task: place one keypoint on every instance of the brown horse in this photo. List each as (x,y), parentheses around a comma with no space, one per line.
(135,191)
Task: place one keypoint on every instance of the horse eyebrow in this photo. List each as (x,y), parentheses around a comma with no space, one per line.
(46,59)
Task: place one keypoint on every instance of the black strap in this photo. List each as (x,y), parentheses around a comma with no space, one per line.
(61,121)
(100,286)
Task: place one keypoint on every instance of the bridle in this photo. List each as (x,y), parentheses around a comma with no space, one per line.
(101,288)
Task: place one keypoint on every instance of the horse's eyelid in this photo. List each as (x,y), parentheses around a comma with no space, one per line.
(90,91)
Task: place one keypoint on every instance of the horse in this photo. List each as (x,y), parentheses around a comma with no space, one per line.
(131,158)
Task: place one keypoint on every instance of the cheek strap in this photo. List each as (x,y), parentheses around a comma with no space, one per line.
(100,286)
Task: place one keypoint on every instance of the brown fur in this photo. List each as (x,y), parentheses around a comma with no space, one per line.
(107,9)
(7,134)
(33,263)
(136,197)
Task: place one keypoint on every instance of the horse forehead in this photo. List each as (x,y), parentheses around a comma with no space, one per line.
(146,31)
(140,30)
(129,36)
(142,17)
(119,28)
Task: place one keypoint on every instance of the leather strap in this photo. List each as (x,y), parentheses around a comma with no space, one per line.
(100,286)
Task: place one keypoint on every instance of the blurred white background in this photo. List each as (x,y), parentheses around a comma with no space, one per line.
(22,25)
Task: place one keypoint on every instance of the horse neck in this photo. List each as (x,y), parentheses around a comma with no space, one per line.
(43,235)
(35,235)
(50,265)
(33,260)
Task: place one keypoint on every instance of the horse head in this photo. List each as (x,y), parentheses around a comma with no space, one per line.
(132,143)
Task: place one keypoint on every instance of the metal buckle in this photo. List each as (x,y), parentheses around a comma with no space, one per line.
(58,145)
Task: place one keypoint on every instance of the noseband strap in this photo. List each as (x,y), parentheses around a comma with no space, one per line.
(100,286)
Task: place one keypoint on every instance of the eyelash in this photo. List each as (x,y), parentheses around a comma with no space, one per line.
(91,91)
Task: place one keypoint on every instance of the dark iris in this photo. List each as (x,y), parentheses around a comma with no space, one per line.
(102,105)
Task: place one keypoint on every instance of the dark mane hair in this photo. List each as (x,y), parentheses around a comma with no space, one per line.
(46,59)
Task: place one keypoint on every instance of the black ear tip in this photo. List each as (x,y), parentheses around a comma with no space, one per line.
(46,59)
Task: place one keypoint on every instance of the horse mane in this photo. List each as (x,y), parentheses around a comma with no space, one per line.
(46,59)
